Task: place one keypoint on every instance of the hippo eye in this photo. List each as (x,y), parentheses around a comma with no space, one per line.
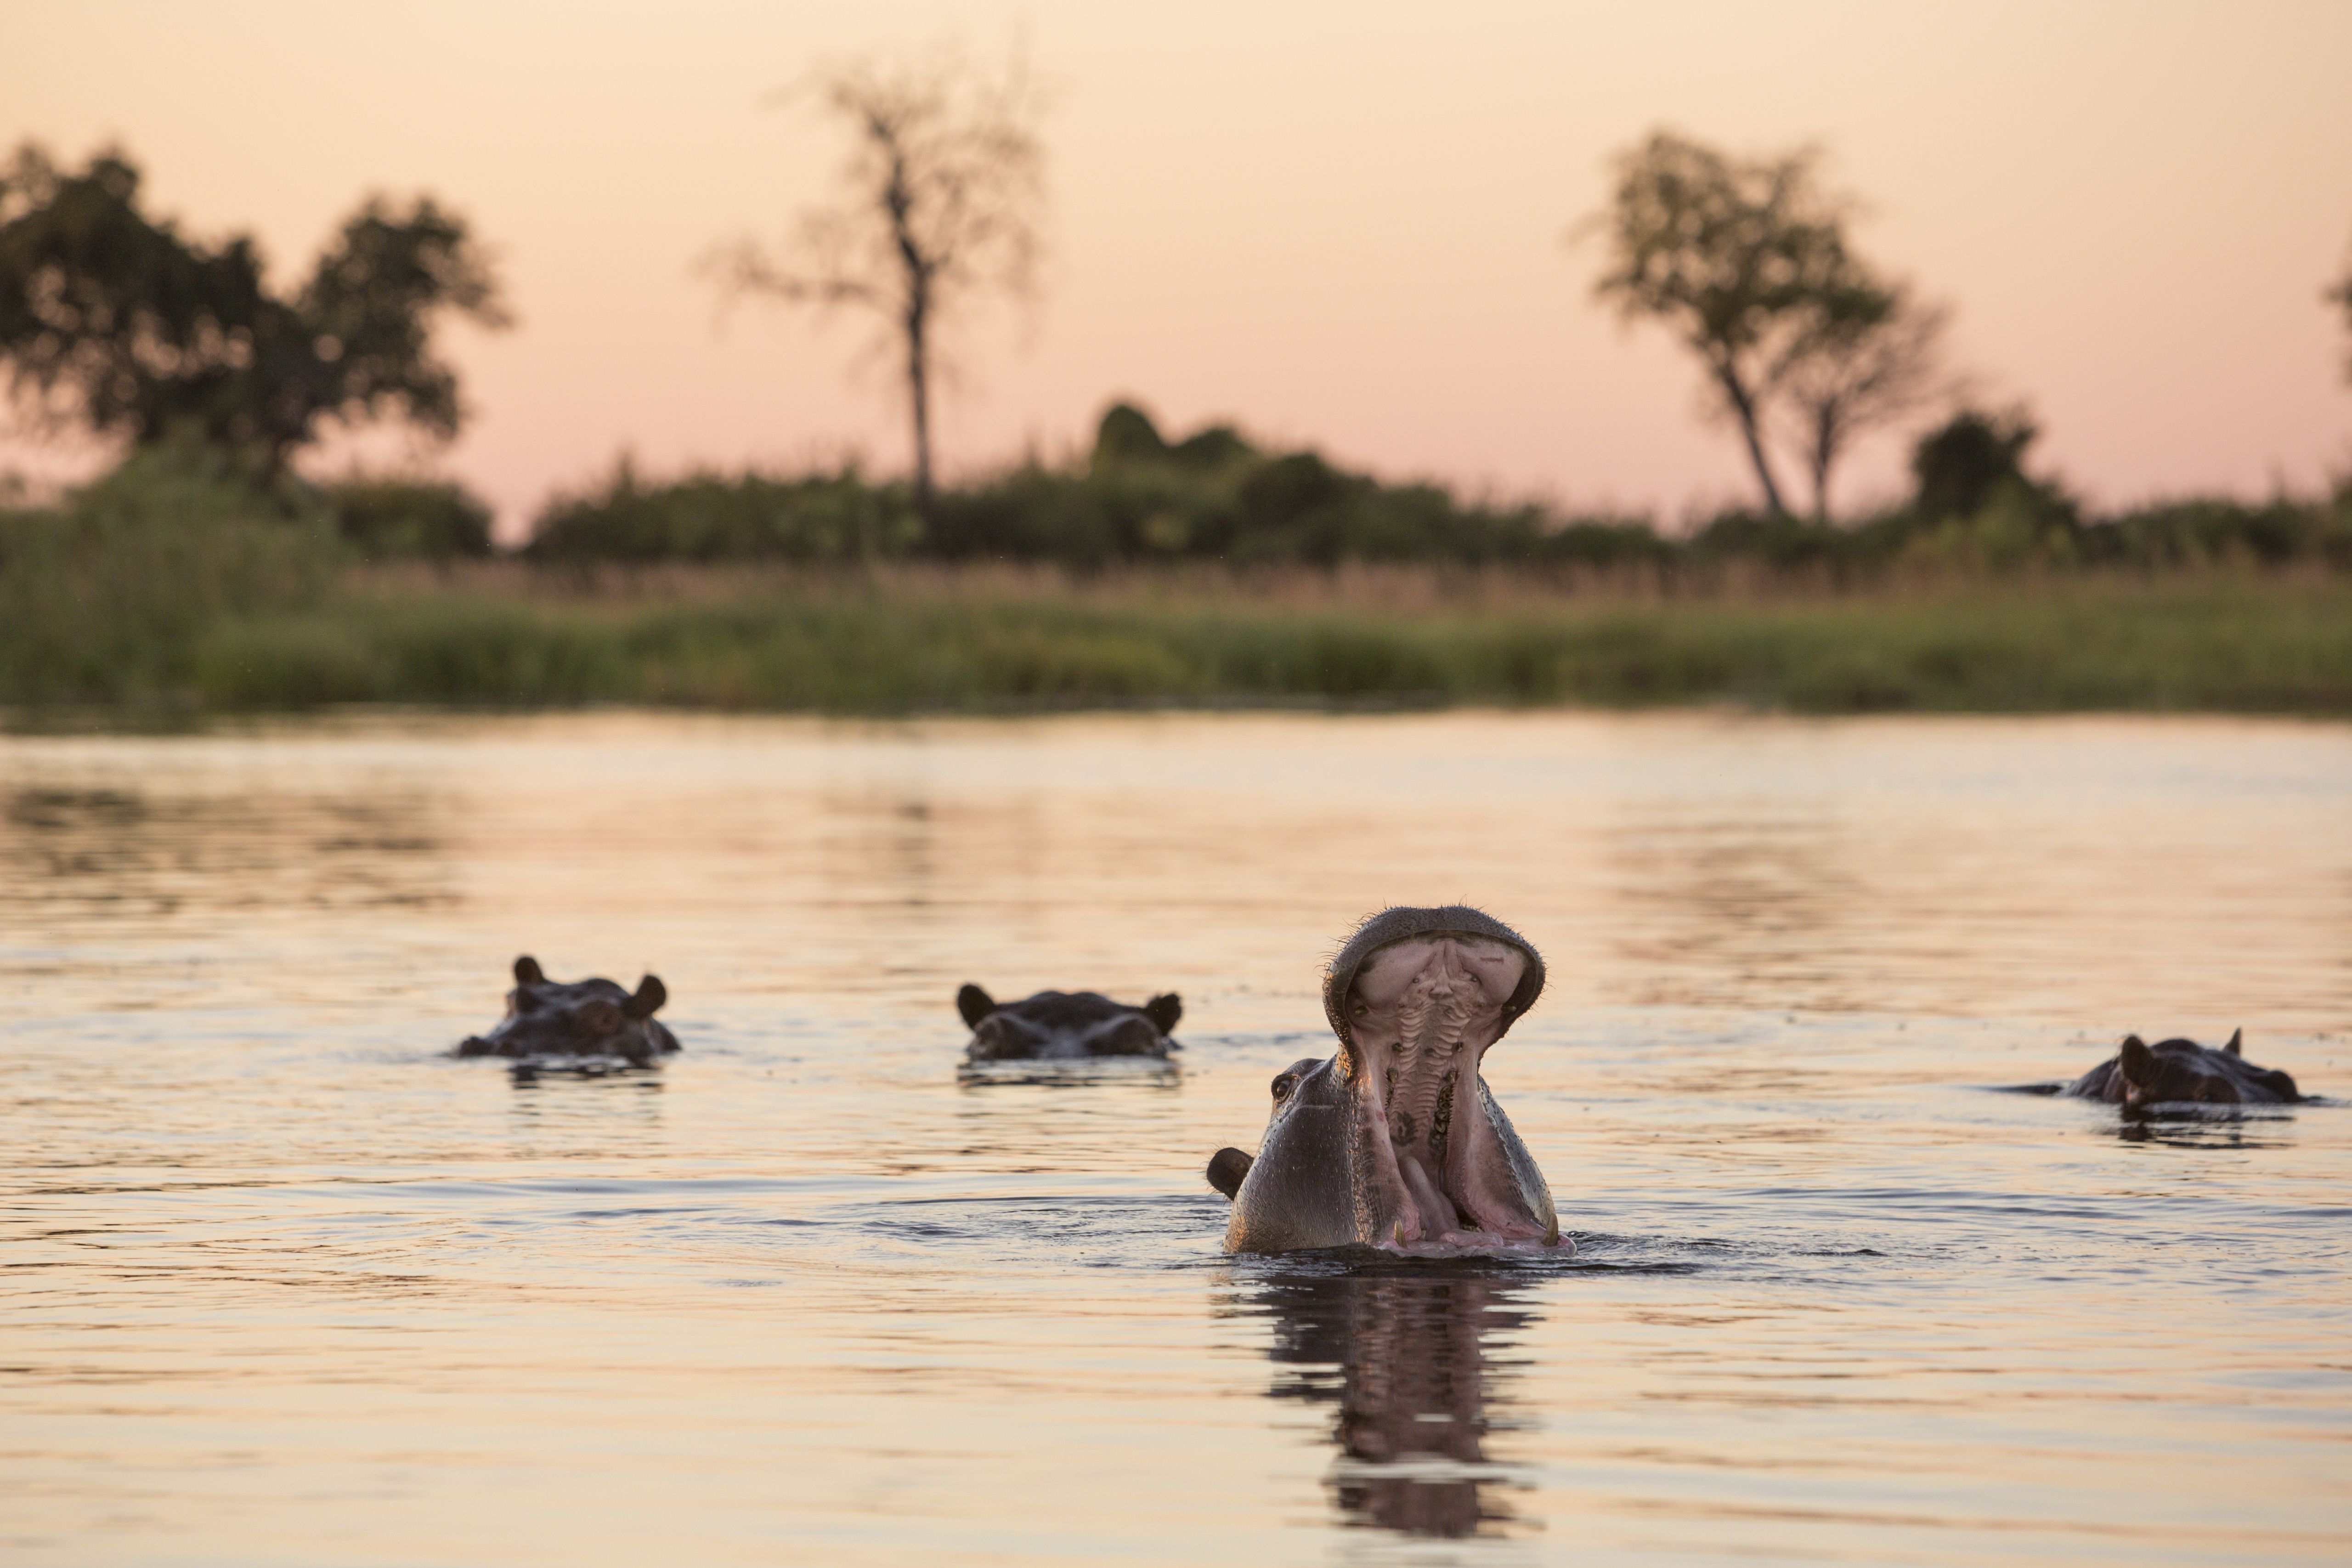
(601,1016)
(1283,1082)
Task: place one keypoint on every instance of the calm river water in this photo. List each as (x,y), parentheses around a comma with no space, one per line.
(285,1285)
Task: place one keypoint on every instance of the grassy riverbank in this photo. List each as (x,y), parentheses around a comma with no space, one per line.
(182,586)
(913,640)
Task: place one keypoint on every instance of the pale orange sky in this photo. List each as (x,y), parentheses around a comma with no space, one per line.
(1336,223)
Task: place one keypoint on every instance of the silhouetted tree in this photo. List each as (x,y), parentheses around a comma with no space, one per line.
(1737,258)
(1867,356)
(114,321)
(940,197)
(1960,465)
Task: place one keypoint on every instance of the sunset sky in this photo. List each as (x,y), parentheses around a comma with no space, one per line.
(1337,224)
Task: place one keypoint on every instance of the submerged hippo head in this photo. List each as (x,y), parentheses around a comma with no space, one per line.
(2182,1072)
(1395,1140)
(584,1018)
(1067,1025)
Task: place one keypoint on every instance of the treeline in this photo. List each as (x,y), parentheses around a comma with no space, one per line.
(187,583)
(180,347)
(1215,497)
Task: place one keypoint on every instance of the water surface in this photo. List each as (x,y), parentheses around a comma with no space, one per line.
(287,1286)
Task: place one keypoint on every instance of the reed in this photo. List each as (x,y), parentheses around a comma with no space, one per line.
(908,639)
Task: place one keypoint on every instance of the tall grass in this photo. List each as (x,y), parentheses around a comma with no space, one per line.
(184,584)
(105,601)
(944,641)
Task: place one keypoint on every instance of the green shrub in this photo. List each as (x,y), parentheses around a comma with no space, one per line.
(410,520)
(818,519)
(107,600)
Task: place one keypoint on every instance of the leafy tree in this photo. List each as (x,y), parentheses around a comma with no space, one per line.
(1731,256)
(114,321)
(1746,261)
(1125,436)
(1959,466)
(940,197)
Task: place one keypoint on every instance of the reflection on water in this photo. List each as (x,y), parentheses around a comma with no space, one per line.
(1158,1072)
(283,1277)
(127,851)
(2203,1130)
(1415,1358)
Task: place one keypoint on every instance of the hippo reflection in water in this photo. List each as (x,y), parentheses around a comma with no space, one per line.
(1067,1025)
(1408,1353)
(2182,1072)
(586,1019)
(1396,1141)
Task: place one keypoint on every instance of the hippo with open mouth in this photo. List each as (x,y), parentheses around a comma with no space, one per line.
(2182,1072)
(1395,1142)
(1067,1025)
(585,1019)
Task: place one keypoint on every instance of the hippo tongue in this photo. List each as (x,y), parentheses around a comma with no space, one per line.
(1438,1215)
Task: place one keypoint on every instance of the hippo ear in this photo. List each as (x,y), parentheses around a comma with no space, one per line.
(2236,1047)
(1226,1168)
(974,1005)
(527,970)
(651,994)
(1163,1010)
(2138,1062)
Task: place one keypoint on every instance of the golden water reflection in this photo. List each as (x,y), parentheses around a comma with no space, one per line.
(2107,872)
(1414,1360)
(282,1276)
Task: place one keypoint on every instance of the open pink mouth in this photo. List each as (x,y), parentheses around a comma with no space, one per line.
(1421,1016)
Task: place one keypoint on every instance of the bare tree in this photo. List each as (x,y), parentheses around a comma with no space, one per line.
(940,197)
(1868,359)
(1735,257)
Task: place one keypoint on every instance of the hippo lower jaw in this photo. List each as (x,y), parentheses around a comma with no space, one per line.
(1434,1177)
(1436,1171)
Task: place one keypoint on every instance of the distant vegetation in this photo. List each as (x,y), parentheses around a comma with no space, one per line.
(1198,571)
(204,576)
(1215,498)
